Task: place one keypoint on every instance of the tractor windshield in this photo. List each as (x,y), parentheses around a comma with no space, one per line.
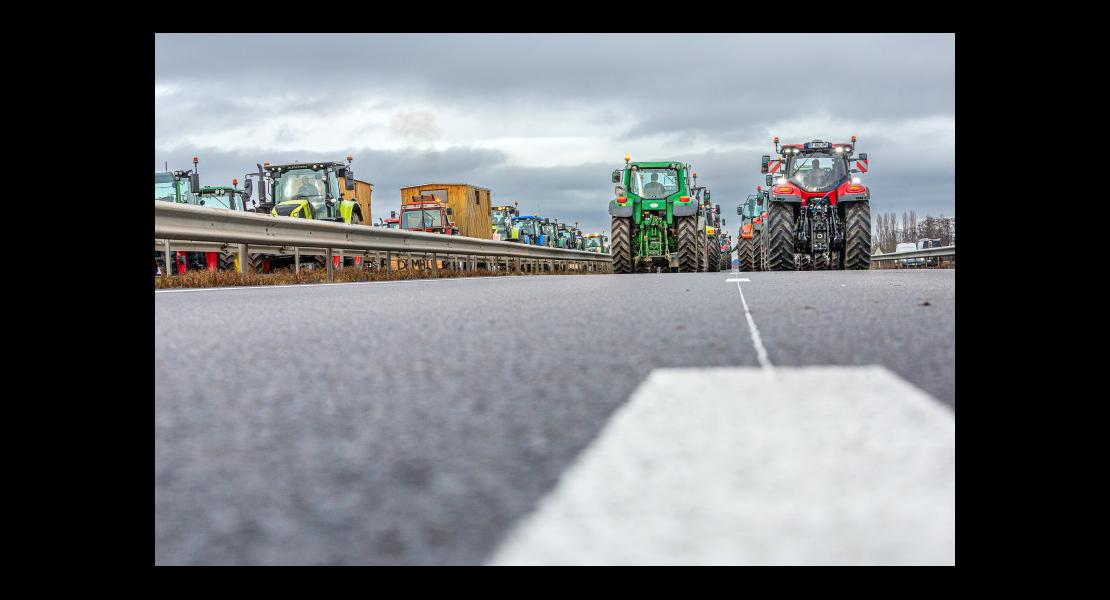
(165,189)
(654,183)
(420,219)
(818,172)
(527,226)
(216,199)
(301,184)
(594,242)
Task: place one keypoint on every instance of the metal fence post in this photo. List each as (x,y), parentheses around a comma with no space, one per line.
(296,259)
(166,271)
(243,258)
(331,267)
(435,265)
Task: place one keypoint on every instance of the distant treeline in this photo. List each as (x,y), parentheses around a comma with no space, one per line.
(886,233)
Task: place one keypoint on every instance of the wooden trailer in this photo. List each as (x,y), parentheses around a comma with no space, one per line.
(471,206)
(361,194)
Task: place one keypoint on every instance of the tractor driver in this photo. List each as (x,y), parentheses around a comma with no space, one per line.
(654,189)
(306,191)
(816,177)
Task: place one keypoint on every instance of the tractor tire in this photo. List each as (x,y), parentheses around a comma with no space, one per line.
(744,254)
(780,238)
(857,239)
(714,256)
(703,253)
(688,244)
(757,252)
(356,218)
(255,262)
(225,261)
(621,233)
(821,261)
(805,262)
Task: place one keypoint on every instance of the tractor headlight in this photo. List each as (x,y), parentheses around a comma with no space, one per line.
(855,180)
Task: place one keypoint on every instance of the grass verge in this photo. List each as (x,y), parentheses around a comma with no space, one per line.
(203,279)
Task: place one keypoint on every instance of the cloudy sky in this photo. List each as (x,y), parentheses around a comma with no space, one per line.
(544,119)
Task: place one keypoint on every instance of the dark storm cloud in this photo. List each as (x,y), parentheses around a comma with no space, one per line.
(720,91)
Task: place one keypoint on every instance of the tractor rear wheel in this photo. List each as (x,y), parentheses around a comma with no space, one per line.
(714,256)
(780,237)
(688,244)
(621,233)
(857,240)
(744,254)
(757,252)
(256,262)
(703,253)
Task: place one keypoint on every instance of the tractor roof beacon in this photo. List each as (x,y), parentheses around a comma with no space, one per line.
(818,211)
(659,218)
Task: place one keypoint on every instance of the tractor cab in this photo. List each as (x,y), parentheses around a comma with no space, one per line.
(393,222)
(177,186)
(311,190)
(222,196)
(528,228)
(427,213)
(816,170)
(502,220)
(549,232)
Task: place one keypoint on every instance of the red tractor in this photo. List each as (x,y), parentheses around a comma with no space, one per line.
(427,213)
(818,212)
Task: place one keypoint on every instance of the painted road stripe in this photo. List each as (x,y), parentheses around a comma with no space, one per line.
(760,351)
(796,466)
(737,280)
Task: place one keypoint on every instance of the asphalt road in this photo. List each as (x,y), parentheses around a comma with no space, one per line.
(415,422)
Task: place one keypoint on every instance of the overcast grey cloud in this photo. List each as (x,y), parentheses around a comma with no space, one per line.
(543,119)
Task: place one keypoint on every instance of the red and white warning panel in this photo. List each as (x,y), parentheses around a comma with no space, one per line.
(861,165)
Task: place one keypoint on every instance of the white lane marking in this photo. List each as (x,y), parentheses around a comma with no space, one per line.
(742,279)
(810,466)
(760,351)
(301,285)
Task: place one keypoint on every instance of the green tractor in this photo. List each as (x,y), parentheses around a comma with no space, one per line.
(596,242)
(659,219)
(229,198)
(306,190)
(177,187)
(549,232)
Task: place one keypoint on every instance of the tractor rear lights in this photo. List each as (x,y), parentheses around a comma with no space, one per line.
(683,198)
(784,189)
(854,189)
(622,199)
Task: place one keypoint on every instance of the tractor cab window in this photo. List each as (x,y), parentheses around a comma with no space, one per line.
(527,226)
(654,184)
(165,190)
(303,184)
(216,200)
(817,172)
(593,242)
(420,219)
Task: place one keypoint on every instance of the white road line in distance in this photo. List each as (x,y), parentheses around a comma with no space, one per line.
(816,466)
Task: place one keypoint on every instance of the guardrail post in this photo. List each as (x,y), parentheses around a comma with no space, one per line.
(340,259)
(331,267)
(244,260)
(435,265)
(296,260)
(166,270)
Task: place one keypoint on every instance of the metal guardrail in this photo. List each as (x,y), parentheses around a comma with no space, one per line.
(198,228)
(926,253)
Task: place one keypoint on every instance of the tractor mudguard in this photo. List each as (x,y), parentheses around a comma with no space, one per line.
(346,209)
(685,209)
(854,197)
(617,210)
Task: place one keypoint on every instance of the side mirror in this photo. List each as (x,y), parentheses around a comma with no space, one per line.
(616,176)
(770,180)
(740,210)
(863,156)
(449,211)
(349,180)
(723,222)
(194,183)
(707,196)
(717,209)
(248,187)
(763,163)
